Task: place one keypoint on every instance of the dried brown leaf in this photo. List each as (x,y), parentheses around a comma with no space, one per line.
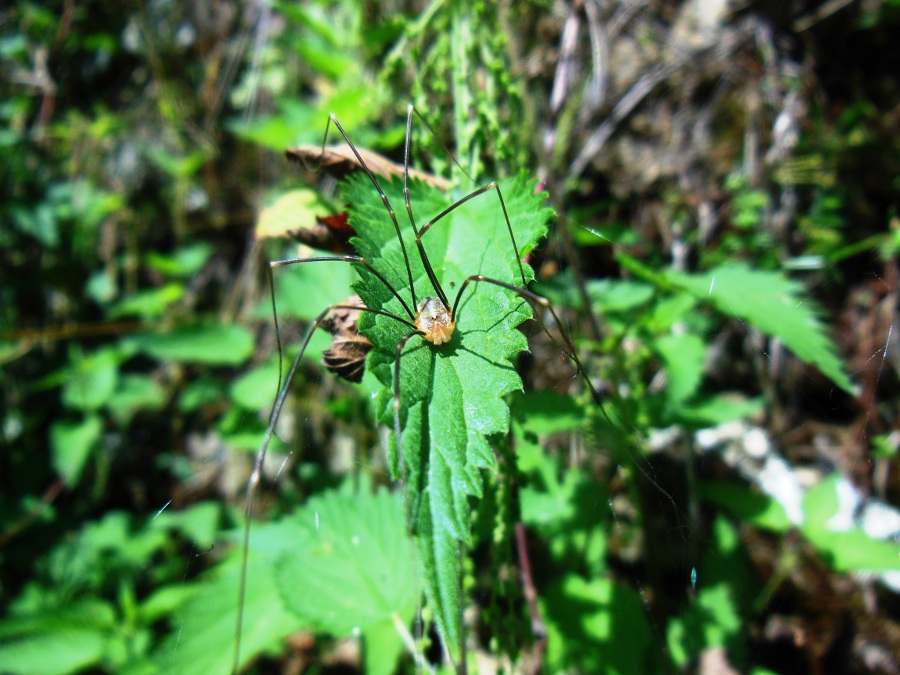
(339,161)
(346,357)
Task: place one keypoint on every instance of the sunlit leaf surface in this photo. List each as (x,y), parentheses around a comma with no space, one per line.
(452,395)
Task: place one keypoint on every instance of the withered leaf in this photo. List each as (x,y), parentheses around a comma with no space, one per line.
(339,161)
(346,357)
(330,233)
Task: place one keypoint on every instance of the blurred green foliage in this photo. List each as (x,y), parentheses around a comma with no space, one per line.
(138,360)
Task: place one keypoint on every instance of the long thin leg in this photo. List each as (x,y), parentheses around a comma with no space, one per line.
(409,211)
(569,349)
(254,481)
(384,198)
(420,233)
(299,261)
(279,404)
(398,434)
(450,209)
(347,259)
(544,303)
(410,110)
(480,191)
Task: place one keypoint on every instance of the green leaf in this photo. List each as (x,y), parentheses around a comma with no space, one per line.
(61,638)
(177,166)
(351,566)
(452,394)
(184,263)
(597,626)
(254,389)
(225,345)
(134,393)
(296,121)
(294,210)
(198,523)
(200,392)
(92,380)
(203,639)
(612,295)
(341,564)
(775,305)
(710,411)
(382,648)
(165,601)
(72,443)
(821,504)
(64,651)
(854,550)
(748,505)
(726,583)
(41,223)
(149,304)
(554,501)
(844,549)
(666,311)
(683,356)
(711,621)
(117,541)
(547,412)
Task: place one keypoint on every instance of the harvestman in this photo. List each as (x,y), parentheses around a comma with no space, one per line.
(434,318)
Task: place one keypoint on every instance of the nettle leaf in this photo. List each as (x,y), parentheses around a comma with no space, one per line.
(355,572)
(452,395)
(340,565)
(211,344)
(775,305)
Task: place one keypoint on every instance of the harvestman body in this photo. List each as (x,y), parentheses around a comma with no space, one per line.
(434,318)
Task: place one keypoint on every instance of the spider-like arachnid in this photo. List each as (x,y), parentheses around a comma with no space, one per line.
(445,359)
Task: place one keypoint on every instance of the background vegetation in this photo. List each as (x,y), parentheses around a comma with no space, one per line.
(726,179)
